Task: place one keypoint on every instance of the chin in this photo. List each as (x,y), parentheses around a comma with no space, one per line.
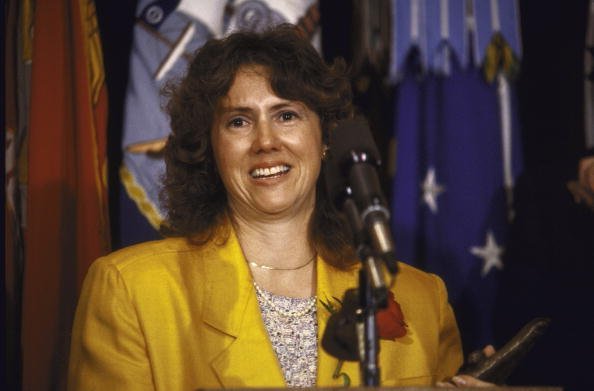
(274,209)
(281,204)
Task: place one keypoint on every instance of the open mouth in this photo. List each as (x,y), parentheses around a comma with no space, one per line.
(270,172)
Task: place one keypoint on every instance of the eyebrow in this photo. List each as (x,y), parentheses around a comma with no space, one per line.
(229,109)
(245,109)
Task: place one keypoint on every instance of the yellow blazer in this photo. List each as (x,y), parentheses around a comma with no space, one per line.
(168,315)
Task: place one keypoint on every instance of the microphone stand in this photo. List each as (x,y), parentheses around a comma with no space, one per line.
(372,296)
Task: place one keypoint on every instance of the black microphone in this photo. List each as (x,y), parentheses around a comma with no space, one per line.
(351,173)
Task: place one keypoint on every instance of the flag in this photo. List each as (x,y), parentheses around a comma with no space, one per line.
(166,34)
(458,148)
(67,218)
(17,66)
(439,29)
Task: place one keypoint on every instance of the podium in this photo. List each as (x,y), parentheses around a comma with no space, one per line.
(498,388)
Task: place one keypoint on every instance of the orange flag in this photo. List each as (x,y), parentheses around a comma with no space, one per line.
(67,217)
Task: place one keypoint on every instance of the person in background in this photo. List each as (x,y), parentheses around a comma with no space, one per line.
(583,188)
(239,293)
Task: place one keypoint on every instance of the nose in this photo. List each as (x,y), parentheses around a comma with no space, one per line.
(266,137)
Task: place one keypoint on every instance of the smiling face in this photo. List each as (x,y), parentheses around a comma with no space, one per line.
(267,149)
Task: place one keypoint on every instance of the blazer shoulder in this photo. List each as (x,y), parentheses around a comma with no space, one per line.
(411,273)
(153,256)
(412,279)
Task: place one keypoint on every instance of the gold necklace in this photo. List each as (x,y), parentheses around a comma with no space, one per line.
(267,267)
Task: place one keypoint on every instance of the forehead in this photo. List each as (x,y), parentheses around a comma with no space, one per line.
(250,74)
(250,83)
(252,70)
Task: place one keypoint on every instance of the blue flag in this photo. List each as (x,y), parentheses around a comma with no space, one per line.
(457,156)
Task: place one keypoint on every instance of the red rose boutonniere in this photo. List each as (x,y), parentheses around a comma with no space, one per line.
(390,320)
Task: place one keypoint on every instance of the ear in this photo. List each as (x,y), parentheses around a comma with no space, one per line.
(325,149)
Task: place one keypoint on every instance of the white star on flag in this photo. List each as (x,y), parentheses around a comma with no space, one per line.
(431,189)
(490,253)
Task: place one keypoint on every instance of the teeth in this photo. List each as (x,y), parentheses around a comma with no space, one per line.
(269,171)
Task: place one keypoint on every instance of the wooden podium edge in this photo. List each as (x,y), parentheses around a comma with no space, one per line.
(497,388)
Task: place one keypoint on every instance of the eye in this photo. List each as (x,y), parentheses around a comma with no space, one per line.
(288,115)
(236,122)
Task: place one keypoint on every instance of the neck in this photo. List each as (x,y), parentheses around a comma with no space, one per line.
(279,243)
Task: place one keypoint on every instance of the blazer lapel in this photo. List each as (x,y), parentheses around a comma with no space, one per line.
(332,283)
(245,357)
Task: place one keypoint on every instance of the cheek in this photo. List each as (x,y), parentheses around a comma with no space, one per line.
(311,138)
(313,154)
(314,146)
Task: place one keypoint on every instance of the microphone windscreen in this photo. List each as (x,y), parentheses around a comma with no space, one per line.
(353,135)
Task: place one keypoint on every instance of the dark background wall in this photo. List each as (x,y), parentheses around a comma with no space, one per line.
(550,260)
(550,266)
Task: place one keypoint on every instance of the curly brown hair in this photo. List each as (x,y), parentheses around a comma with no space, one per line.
(193,194)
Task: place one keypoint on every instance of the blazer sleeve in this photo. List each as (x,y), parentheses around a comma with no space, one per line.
(108,350)
(450,355)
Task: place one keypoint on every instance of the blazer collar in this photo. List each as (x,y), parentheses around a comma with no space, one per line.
(246,358)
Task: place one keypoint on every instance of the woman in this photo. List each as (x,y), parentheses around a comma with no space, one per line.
(241,296)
